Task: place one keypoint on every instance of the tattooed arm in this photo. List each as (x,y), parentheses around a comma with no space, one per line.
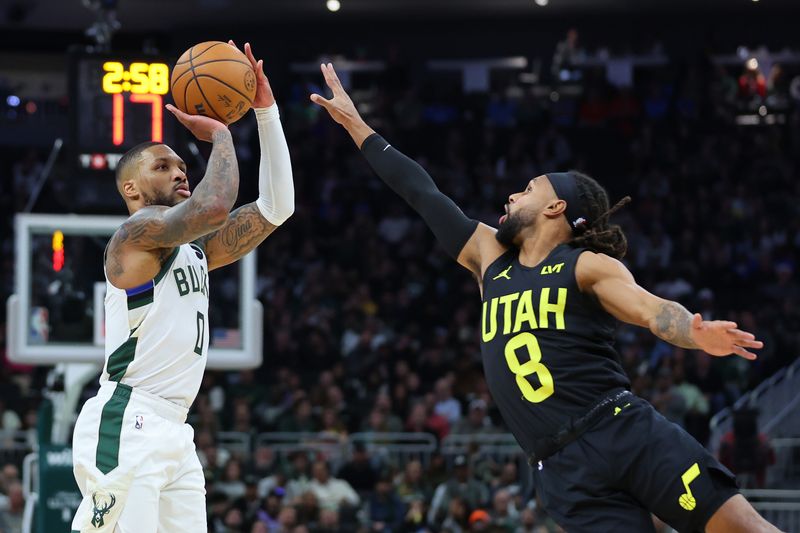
(619,294)
(245,229)
(136,251)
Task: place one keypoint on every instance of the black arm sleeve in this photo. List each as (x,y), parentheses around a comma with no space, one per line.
(407,178)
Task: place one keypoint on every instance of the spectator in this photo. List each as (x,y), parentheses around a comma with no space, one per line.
(746,451)
(696,418)
(566,57)
(504,514)
(479,520)
(332,493)
(421,420)
(328,522)
(528,522)
(250,501)
(298,475)
(9,419)
(457,518)
(476,421)
(508,480)
(300,420)
(385,510)
(270,511)
(11,517)
(359,472)
(287,519)
(667,399)
(263,462)
(461,485)
(410,485)
(415,516)
(232,484)
(234,520)
(446,406)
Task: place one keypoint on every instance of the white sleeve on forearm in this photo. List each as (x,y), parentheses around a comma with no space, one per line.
(275,184)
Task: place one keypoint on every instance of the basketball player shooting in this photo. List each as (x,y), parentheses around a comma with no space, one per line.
(134,455)
(553,288)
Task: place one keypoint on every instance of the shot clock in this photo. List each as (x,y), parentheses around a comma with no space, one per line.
(116,102)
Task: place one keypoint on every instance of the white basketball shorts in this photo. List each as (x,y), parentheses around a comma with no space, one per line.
(136,465)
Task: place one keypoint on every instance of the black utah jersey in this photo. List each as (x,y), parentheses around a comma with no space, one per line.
(547,347)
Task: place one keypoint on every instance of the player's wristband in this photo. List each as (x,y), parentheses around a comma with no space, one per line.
(407,178)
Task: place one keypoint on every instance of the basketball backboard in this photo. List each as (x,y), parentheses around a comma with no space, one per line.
(56,313)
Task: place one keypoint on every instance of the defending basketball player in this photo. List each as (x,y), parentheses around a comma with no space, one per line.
(134,455)
(553,287)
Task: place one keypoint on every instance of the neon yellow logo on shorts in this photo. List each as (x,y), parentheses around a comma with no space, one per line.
(687,500)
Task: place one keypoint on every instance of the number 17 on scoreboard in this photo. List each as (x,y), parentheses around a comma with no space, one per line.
(145,84)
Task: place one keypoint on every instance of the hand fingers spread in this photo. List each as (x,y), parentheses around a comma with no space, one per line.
(230,42)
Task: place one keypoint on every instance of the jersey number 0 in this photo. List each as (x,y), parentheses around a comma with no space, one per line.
(534,366)
(201,332)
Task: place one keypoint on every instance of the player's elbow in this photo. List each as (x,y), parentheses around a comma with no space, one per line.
(214,214)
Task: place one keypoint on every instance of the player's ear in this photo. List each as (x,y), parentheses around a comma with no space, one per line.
(129,190)
(555,207)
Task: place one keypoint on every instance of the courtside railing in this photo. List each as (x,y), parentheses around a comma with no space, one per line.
(778,402)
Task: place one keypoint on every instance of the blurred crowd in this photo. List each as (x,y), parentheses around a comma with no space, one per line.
(370,328)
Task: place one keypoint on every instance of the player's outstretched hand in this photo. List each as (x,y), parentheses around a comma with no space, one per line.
(721,337)
(264,96)
(201,126)
(340,107)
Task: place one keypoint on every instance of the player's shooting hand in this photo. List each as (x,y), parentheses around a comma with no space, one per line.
(721,337)
(340,107)
(201,126)
(264,96)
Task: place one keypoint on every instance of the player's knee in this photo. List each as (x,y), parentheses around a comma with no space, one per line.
(737,516)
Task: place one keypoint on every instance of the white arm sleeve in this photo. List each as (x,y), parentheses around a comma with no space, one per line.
(275,185)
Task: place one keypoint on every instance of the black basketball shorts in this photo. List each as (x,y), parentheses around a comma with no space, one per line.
(630,463)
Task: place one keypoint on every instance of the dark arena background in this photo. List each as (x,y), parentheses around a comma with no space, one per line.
(345,389)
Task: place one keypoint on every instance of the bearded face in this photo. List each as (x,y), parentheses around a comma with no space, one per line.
(508,234)
(168,199)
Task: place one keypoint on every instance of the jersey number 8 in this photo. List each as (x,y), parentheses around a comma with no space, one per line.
(534,366)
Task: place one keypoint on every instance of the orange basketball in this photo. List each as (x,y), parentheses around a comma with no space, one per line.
(214,79)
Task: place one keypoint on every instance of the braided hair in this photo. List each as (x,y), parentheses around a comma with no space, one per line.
(595,233)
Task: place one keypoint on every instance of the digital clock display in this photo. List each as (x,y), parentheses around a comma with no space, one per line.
(139,78)
(117,102)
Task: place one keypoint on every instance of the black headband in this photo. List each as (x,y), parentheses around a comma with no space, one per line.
(567,189)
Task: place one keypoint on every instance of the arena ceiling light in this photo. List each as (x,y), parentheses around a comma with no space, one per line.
(333,5)
(541,3)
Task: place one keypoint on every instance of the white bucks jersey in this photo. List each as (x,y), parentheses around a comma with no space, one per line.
(157,333)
